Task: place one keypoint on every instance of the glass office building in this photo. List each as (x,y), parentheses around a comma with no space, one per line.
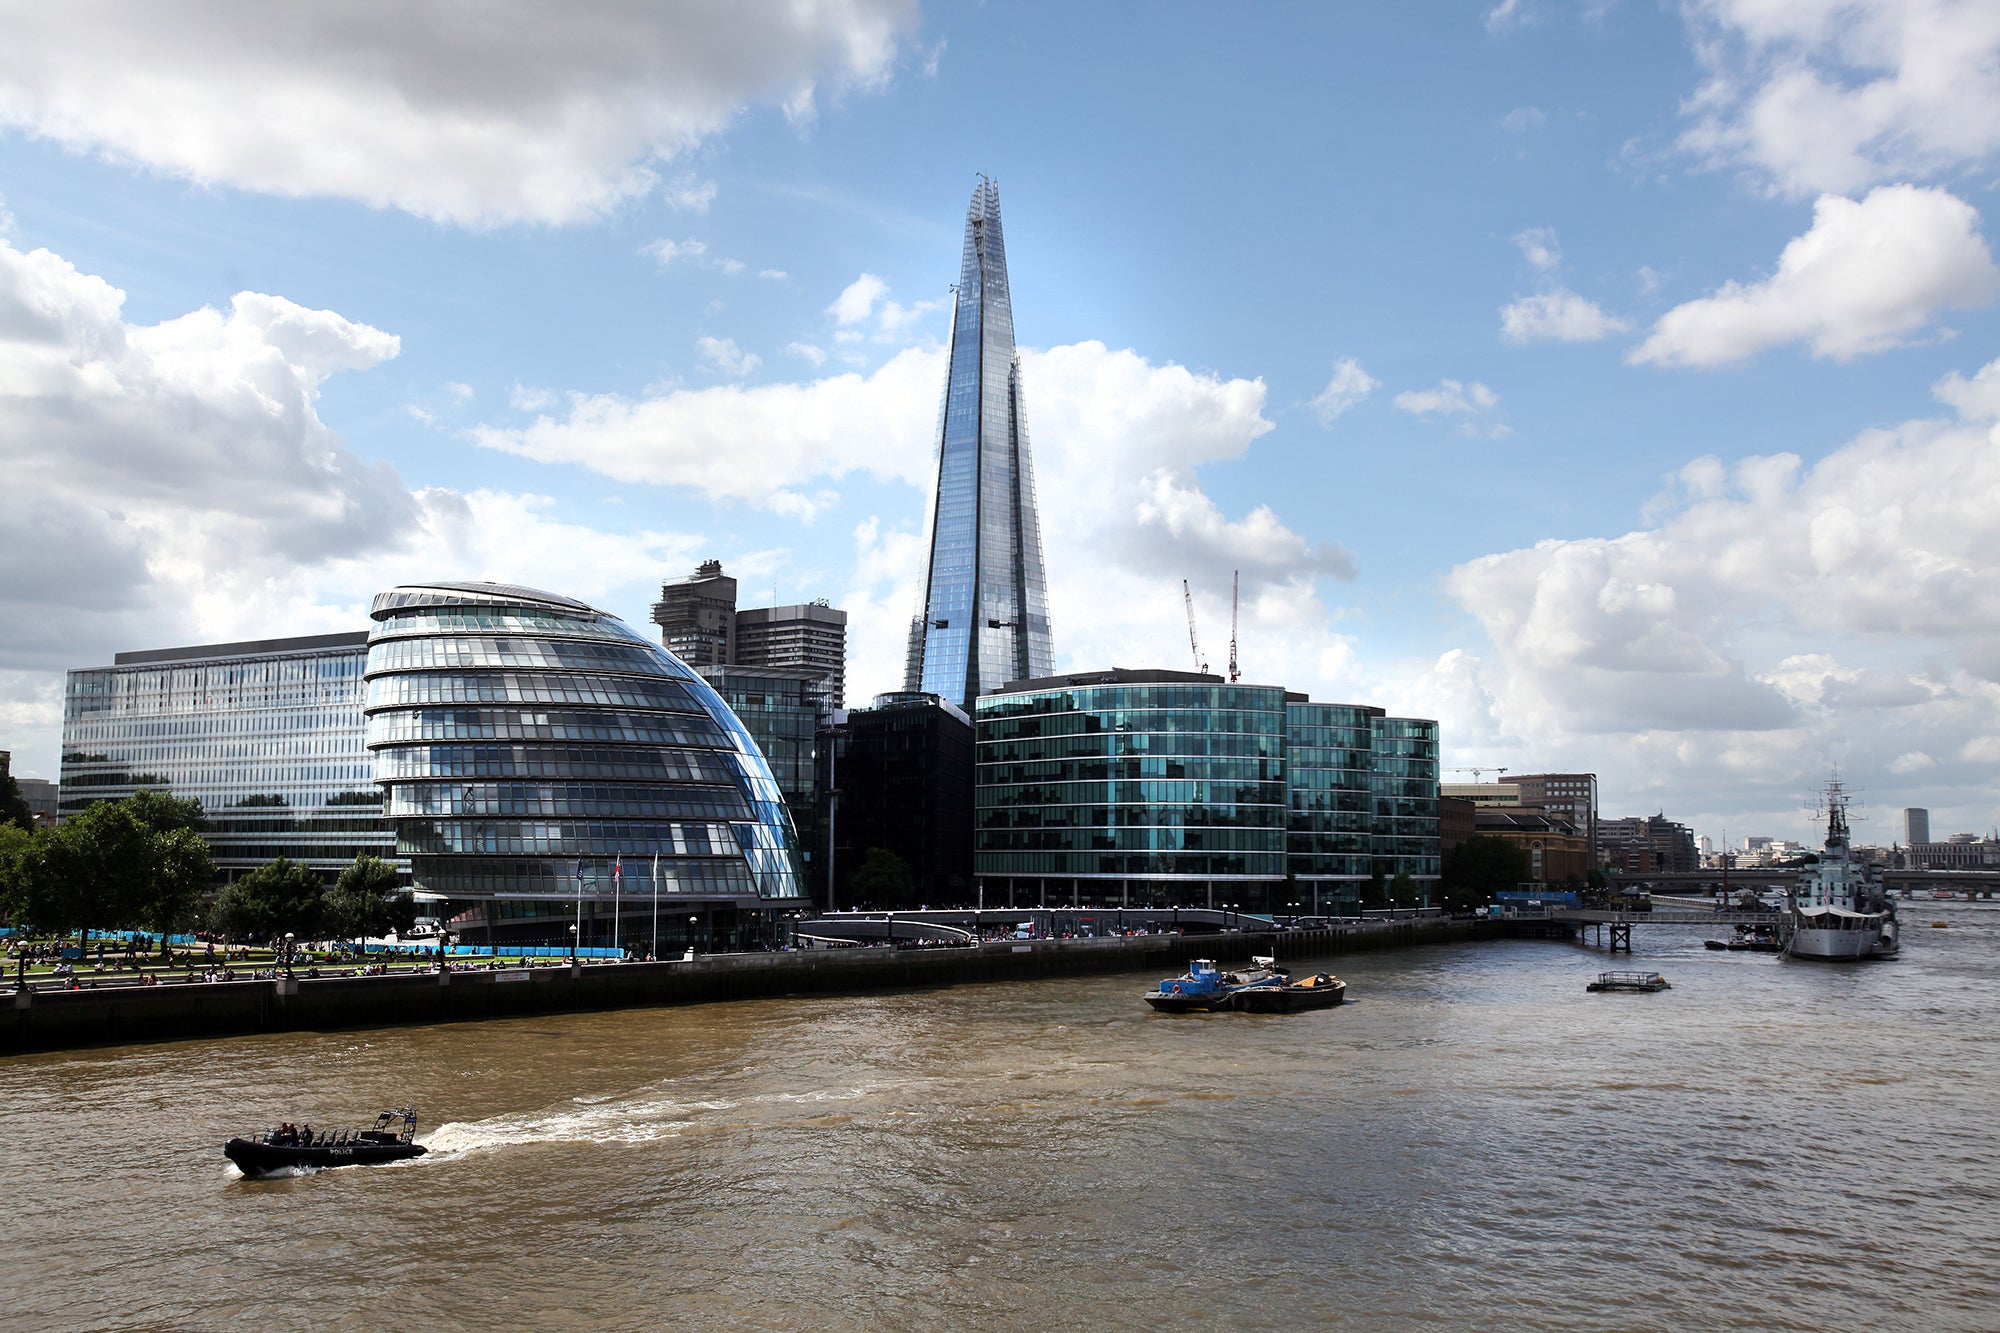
(1167,788)
(266,735)
(781,709)
(1331,764)
(1364,789)
(985,619)
(1131,788)
(541,759)
(1406,800)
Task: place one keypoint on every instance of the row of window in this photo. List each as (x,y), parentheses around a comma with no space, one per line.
(1134,816)
(1258,839)
(546,762)
(594,838)
(1181,745)
(457,800)
(556,880)
(1153,722)
(1043,772)
(1161,792)
(1201,864)
(528,687)
(503,724)
(546,654)
(1193,698)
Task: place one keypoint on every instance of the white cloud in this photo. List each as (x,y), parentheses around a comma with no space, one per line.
(1349,385)
(726,356)
(523,399)
(1509,14)
(1117,444)
(866,299)
(746,444)
(1560,315)
(807,352)
(1868,276)
(461,393)
(857,300)
(1777,618)
(1976,399)
(1538,246)
(1837,95)
(533,114)
(773,274)
(667,251)
(182,471)
(1449,398)
(1522,119)
(688,195)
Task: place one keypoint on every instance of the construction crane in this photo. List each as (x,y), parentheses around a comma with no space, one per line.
(1235,588)
(1478,770)
(1194,641)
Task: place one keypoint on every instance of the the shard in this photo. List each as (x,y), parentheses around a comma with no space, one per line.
(985,618)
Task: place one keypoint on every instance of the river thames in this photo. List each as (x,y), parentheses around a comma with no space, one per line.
(1472,1142)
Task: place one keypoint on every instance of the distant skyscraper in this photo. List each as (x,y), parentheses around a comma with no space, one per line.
(811,635)
(1916,826)
(697,616)
(985,617)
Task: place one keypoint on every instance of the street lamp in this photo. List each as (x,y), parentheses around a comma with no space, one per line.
(572,946)
(443,948)
(289,939)
(692,922)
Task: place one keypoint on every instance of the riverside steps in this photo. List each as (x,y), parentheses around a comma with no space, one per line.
(45,1020)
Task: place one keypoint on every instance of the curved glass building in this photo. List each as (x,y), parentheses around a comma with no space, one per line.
(541,760)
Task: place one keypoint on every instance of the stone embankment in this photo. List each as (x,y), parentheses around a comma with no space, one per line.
(54,1020)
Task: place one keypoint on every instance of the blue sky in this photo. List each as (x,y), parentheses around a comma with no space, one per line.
(1602,379)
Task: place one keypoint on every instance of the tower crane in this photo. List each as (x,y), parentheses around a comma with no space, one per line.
(1194,641)
(1477,770)
(1235,587)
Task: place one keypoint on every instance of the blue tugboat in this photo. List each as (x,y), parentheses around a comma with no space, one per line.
(1204,988)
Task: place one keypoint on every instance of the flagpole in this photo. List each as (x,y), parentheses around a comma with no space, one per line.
(656,907)
(617,889)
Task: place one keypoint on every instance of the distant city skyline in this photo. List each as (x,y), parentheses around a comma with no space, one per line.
(1614,383)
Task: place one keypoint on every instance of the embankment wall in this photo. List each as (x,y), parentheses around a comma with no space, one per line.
(61,1019)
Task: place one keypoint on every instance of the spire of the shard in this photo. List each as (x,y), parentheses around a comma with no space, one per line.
(985,618)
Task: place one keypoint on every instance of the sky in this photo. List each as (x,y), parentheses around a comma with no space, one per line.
(1614,381)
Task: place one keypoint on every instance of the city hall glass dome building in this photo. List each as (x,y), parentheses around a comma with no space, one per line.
(542,760)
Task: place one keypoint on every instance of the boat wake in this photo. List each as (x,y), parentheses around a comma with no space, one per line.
(640,1118)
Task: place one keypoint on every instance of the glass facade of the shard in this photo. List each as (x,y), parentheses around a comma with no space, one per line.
(985,619)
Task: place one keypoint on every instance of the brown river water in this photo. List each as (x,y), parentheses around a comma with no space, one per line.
(1473,1142)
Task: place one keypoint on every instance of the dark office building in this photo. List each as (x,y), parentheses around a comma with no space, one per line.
(780,708)
(697,617)
(904,773)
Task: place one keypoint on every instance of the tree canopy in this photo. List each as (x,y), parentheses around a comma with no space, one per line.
(14,811)
(282,898)
(107,867)
(368,899)
(884,879)
(1482,866)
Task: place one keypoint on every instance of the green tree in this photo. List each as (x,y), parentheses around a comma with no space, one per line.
(1403,891)
(282,898)
(14,811)
(1480,867)
(14,844)
(368,899)
(164,813)
(883,879)
(185,871)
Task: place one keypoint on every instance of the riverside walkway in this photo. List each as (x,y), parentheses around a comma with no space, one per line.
(55,1020)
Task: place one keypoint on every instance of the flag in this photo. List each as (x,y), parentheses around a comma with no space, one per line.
(617,867)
